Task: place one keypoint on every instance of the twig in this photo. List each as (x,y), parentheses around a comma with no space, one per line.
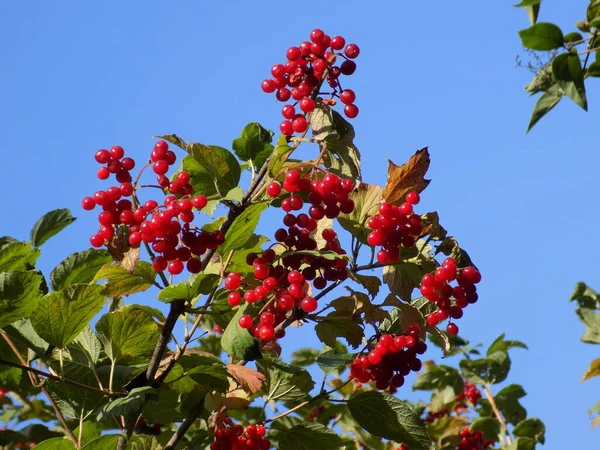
(187,423)
(307,402)
(488,393)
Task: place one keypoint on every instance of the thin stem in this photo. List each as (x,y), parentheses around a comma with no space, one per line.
(41,373)
(307,402)
(488,393)
(41,386)
(112,375)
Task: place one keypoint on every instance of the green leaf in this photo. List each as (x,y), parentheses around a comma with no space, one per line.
(585,296)
(126,406)
(370,283)
(490,370)
(573,37)
(438,377)
(544,105)
(367,198)
(55,444)
(280,156)
(593,10)
(50,224)
(19,295)
(127,336)
(254,144)
(387,417)
(503,346)
(489,426)
(188,290)
(242,228)
(533,12)
(593,69)
(79,267)
(528,3)
(89,431)
(591,320)
(237,341)
(106,442)
(568,73)
(340,324)
(16,255)
(23,331)
(220,164)
(206,371)
(309,436)
(521,443)
(123,282)
(61,315)
(507,401)
(341,155)
(283,382)
(402,279)
(331,361)
(531,428)
(304,357)
(200,178)
(542,36)
(139,442)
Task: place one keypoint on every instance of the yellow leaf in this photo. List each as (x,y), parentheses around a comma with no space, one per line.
(593,370)
(406,178)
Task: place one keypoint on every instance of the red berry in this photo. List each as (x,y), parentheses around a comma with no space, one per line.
(309,304)
(117,152)
(317,35)
(160,167)
(274,189)
(307,104)
(337,42)
(246,322)
(286,128)
(299,125)
(266,332)
(352,51)
(288,112)
(103,173)
(102,156)
(88,203)
(267,318)
(268,86)
(351,111)
(348,67)
(175,267)
(97,240)
(347,96)
(295,277)
(293,53)
(452,329)
(413,198)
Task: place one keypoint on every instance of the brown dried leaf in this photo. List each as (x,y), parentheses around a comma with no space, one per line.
(249,379)
(406,178)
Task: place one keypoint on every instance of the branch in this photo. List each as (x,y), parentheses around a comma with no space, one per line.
(488,393)
(187,423)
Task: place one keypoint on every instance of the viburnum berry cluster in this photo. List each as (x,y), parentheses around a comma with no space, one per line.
(304,72)
(167,227)
(392,358)
(394,227)
(469,393)
(235,437)
(450,300)
(287,279)
(473,440)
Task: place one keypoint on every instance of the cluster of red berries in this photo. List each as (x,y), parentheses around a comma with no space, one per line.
(306,68)
(392,358)
(433,416)
(284,282)
(450,300)
(235,437)
(473,440)
(166,227)
(469,393)
(394,227)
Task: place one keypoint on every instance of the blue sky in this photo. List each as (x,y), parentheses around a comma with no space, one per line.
(78,76)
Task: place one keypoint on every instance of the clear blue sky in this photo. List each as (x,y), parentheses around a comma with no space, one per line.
(78,76)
